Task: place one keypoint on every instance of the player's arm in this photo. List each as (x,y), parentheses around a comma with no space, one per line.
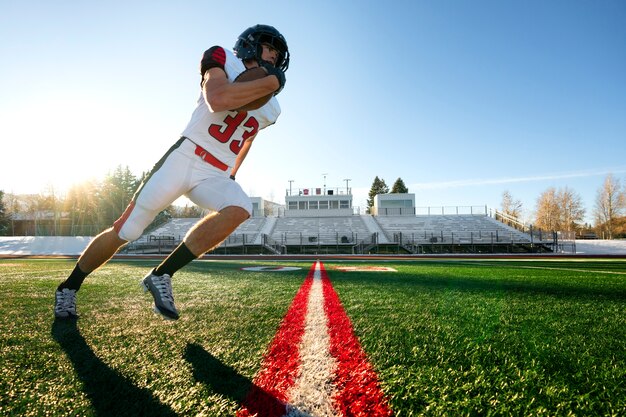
(222,95)
(242,155)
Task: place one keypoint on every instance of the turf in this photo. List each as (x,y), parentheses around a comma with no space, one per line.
(480,337)
(495,338)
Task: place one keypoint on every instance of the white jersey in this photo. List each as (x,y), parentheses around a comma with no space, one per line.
(223,133)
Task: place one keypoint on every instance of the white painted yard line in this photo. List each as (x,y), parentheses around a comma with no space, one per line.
(549,268)
(575,270)
(44,273)
(313,391)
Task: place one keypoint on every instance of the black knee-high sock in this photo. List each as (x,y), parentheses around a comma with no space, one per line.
(176,260)
(75,280)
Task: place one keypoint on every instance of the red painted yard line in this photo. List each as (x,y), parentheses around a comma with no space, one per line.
(268,395)
(358,390)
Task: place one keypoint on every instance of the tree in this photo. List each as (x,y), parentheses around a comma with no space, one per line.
(511,206)
(116,192)
(610,204)
(52,205)
(188,211)
(559,210)
(399,187)
(571,210)
(82,204)
(546,216)
(5,218)
(378,187)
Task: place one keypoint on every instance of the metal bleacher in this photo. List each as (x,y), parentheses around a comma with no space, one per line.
(319,230)
(424,229)
(176,228)
(354,234)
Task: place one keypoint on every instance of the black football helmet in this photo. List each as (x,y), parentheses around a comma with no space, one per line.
(248,45)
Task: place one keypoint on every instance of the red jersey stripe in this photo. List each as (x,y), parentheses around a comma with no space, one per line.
(119,223)
(219,56)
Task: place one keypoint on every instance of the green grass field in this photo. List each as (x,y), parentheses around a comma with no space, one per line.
(447,337)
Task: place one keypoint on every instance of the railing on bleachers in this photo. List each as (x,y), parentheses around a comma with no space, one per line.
(469,229)
(451,210)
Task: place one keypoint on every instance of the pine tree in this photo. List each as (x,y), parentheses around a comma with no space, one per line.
(116,192)
(378,187)
(399,187)
(82,204)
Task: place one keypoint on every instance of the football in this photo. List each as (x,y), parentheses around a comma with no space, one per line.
(252,74)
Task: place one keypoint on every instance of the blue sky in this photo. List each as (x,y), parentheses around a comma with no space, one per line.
(460,99)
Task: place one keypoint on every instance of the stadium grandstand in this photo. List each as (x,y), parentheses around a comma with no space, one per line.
(324,221)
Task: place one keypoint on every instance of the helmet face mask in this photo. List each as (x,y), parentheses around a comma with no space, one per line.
(249,45)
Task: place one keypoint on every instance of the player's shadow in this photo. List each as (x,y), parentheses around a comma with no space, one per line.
(110,393)
(226,381)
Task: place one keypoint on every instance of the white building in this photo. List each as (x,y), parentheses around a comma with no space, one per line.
(318,202)
(394,205)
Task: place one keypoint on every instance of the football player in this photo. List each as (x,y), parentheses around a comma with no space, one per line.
(201,165)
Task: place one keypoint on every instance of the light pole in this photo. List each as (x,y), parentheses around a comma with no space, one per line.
(347,180)
(290,181)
